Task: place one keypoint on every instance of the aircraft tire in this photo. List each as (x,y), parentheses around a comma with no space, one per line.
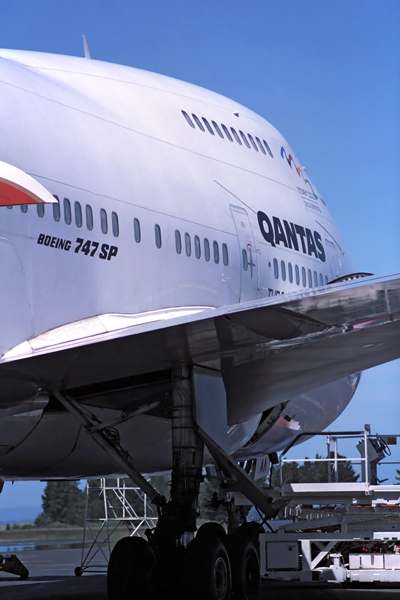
(207,572)
(131,570)
(245,565)
(211,529)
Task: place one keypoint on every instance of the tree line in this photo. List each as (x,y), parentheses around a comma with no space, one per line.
(64,503)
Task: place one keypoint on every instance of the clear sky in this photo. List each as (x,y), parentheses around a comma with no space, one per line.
(326,74)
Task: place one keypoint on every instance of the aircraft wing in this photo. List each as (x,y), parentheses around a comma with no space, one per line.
(290,344)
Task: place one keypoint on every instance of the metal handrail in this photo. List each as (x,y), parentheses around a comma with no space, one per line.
(334,436)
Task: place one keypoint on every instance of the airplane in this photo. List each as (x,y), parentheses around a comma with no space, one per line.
(176,295)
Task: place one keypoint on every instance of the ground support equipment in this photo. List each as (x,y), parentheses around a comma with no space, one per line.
(341,532)
(108,508)
(12,564)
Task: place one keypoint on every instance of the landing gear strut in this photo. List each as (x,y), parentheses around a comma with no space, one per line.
(173,562)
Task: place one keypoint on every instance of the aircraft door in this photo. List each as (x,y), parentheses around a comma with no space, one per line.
(333,258)
(248,255)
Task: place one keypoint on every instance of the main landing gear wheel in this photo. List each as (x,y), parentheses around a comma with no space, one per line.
(131,570)
(211,529)
(245,569)
(207,573)
(245,562)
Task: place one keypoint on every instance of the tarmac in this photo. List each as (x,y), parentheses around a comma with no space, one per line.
(52,577)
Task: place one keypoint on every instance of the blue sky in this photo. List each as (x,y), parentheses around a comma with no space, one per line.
(326,74)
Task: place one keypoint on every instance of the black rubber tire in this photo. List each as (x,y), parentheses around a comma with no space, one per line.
(78,571)
(207,570)
(131,570)
(211,529)
(251,530)
(245,565)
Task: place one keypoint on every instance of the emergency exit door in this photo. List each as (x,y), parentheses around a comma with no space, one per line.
(248,255)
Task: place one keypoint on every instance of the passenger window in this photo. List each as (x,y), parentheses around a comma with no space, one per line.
(206,249)
(216,252)
(244,260)
(268,149)
(303,276)
(67,211)
(89,217)
(39,208)
(225,257)
(252,142)
(326,280)
(136,230)
(198,122)
(297,274)
(78,214)
(115,224)
(103,221)
(157,232)
(315,279)
(283,270)
(207,124)
(290,269)
(309,278)
(197,246)
(56,210)
(244,138)
(260,145)
(24,208)
(321,280)
(276,269)
(217,129)
(178,241)
(188,244)
(235,135)
(226,131)
(188,119)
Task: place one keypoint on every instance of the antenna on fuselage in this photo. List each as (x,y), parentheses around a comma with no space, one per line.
(86,47)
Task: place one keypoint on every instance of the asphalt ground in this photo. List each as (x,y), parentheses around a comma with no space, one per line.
(52,577)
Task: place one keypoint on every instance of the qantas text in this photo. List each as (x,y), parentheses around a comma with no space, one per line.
(293,236)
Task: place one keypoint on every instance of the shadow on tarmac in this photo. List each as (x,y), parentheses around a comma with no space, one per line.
(93,587)
(52,577)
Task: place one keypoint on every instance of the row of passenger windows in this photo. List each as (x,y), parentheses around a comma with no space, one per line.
(197,248)
(75,212)
(186,243)
(66,210)
(311,279)
(231,133)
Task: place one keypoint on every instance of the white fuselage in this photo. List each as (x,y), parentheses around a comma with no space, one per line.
(159,213)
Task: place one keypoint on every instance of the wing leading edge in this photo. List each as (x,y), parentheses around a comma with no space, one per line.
(274,348)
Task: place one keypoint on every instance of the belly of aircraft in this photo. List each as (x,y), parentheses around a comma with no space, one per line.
(39,441)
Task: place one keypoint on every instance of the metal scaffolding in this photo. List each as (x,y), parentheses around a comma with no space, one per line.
(110,504)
